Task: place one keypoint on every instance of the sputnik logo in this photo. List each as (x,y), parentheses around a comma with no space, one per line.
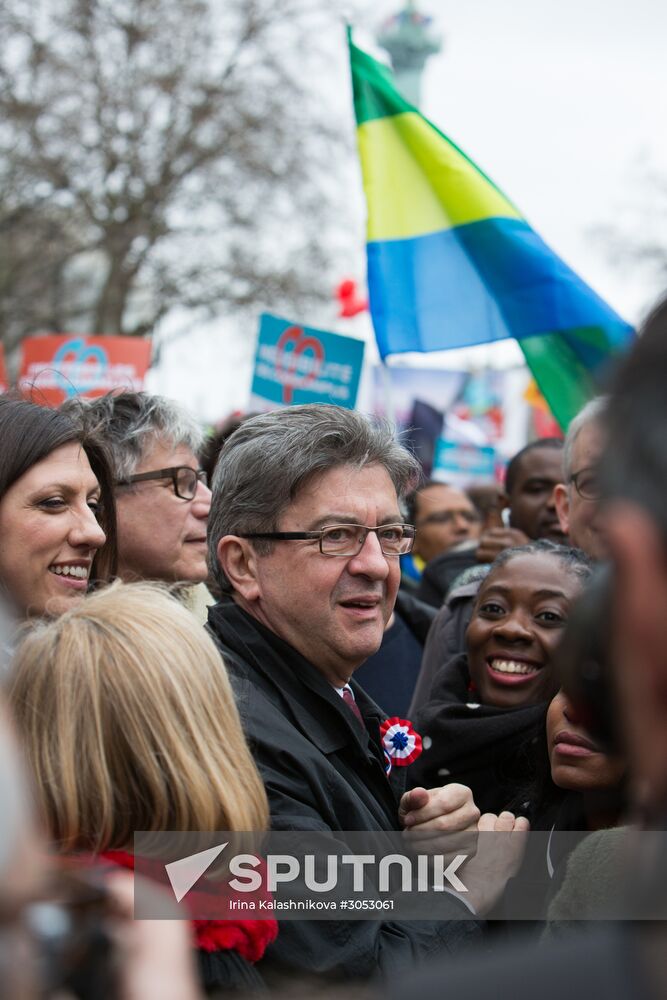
(186,871)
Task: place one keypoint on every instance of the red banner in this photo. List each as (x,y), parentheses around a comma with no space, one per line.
(4,385)
(57,367)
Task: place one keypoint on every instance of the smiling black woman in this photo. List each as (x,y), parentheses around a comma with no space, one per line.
(487,702)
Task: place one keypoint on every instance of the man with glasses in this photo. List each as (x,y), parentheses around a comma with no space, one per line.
(162,498)
(578,494)
(444,517)
(305,536)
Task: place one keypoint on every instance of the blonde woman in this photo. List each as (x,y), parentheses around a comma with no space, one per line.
(129,723)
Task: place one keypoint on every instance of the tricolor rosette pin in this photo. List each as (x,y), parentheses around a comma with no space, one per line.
(400,742)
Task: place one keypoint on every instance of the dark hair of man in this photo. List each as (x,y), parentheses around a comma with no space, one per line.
(512,472)
(28,434)
(573,560)
(271,457)
(634,465)
(413,497)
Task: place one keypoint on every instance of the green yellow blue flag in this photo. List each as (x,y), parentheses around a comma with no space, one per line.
(452,262)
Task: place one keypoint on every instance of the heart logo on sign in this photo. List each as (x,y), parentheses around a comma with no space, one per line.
(286,361)
(87,366)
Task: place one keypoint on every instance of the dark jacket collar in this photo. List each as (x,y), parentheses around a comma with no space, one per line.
(279,667)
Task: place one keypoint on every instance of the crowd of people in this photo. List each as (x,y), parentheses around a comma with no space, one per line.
(203,636)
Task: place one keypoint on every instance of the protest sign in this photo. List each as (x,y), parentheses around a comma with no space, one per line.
(463,464)
(298,364)
(57,367)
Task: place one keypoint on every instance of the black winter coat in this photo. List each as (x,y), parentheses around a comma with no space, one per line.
(322,772)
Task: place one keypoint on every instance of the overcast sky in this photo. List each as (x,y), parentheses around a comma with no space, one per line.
(563,104)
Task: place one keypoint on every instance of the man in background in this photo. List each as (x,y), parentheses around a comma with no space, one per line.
(532,474)
(444,517)
(577,496)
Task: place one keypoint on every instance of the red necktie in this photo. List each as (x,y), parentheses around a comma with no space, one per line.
(348,698)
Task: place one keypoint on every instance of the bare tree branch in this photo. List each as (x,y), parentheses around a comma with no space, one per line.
(156,155)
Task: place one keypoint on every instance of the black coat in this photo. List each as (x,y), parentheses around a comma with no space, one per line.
(322,772)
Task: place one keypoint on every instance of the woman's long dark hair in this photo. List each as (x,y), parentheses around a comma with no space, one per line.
(28,434)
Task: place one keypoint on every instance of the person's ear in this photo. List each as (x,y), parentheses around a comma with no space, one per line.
(561,497)
(238,560)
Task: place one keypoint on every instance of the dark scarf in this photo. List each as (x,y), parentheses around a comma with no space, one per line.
(488,748)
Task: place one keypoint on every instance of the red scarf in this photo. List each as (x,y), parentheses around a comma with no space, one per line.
(250,938)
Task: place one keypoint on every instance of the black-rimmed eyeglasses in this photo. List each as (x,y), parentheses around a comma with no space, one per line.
(587,483)
(347,539)
(183,479)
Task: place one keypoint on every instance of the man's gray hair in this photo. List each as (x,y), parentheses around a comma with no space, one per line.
(592,413)
(130,424)
(271,457)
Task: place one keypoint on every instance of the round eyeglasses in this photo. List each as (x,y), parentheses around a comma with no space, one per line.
(183,479)
(348,539)
(587,483)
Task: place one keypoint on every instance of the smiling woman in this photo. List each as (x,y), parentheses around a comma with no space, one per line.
(516,624)
(487,704)
(57,520)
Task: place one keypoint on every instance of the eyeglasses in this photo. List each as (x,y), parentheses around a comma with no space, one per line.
(587,483)
(348,539)
(183,479)
(449,516)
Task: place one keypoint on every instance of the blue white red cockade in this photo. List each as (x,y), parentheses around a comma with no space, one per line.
(401,744)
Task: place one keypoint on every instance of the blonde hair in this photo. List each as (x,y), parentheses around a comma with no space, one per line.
(129,723)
